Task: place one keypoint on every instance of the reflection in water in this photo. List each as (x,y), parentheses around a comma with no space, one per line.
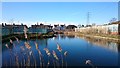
(112,45)
(27,54)
(119,54)
(70,36)
(79,53)
(42,41)
(118,46)
(56,38)
(0,49)
(104,43)
(62,36)
(11,46)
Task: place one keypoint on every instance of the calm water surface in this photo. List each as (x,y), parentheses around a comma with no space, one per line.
(100,52)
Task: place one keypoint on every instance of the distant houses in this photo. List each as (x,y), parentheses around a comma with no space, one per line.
(56,27)
(113,28)
(18,29)
(8,29)
(64,27)
(60,27)
(40,28)
(71,28)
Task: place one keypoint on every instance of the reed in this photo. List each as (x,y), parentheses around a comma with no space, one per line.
(9,53)
(48,54)
(17,39)
(25,33)
(56,58)
(40,54)
(60,50)
(34,59)
(11,42)
(4,64)
(22,51)
(17,62)
(28,55)
(53,60)
(65,54)
(90,63)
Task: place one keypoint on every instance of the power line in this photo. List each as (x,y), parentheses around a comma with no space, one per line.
(88,18)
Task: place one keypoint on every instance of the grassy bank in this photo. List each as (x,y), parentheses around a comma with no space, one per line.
(104,36)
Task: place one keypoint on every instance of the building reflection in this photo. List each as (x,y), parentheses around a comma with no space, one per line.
(109,44)
(43,42)
(11,46)
(118,43)
(62,36)
(57,37)
(119,53)
(71,36)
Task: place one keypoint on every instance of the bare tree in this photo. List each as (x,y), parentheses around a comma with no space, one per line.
(113,20)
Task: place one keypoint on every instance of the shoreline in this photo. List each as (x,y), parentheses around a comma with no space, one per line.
(102,36)
(49,35)
(30,36)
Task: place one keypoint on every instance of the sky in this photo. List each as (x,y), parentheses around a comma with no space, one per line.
(59,0)
(59,12)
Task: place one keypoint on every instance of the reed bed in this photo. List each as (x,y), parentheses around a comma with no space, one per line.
(26,56)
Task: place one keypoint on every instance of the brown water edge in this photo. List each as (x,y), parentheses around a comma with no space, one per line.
(30,36)
(99,41)
(112,38)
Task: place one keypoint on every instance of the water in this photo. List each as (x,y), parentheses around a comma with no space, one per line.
(100,52)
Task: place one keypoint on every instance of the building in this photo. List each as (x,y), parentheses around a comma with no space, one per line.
(12,29)
(113,28)
(8,29)
(71,27)
(62,27)
(18,29)
(59,27)
(40,28)
(56,27)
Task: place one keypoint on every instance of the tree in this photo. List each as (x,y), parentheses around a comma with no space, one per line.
(82,25)
(71,27)
(5,24)
(88,25)
(14,24)
(21,23)
(79,26)
(93,24)
(113,20)
(2,25)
